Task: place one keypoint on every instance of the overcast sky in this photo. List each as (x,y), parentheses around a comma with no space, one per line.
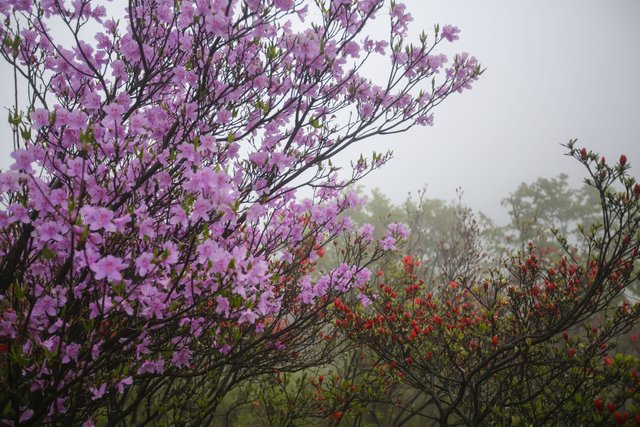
(556,69)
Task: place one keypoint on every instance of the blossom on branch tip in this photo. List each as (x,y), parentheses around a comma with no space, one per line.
(109,267)
(450,33)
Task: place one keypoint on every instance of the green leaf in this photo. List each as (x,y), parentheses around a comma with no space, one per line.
(26,133)
(315,123)
(272,52)
(47,253)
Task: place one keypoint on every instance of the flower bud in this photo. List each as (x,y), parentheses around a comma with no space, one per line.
(623,161)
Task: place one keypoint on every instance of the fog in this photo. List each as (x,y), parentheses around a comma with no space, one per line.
(555,70)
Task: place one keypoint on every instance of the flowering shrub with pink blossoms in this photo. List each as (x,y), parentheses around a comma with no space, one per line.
(155,251)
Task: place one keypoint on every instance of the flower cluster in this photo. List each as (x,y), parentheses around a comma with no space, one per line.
(150,223)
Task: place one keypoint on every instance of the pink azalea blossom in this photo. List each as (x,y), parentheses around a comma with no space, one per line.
(450,33)
(98,392)
(39,118)
(248,316)
(23,159)
(109,267)
(222,306)
(120,386)
(71,352)
(181,358)
(98,218)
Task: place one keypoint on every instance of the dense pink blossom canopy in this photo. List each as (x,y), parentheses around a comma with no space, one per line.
(151,217)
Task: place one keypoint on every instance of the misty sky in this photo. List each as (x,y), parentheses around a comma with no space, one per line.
(556,69)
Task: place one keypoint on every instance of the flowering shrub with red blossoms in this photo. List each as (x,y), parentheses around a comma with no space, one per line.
(529,343)
(152,241)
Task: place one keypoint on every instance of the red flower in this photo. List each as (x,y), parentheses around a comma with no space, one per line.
(598,404)
(336,415)
(494,341)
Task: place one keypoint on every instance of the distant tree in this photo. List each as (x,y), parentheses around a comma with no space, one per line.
(446,237)
(549,205)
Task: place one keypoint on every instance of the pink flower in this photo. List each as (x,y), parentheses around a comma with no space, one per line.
(151,367)
(71,352)
(49,230)
(401,19)
(45,305)
(366,110)
(222,305)
(364,300)
(98,392)
(450,33)
(248,316)
(223,116)
(122,383)
(23,159)
(425,120)
(283,4)
(113,111)
(26,415)
(102,307)
(154,308)
(367,232)
(51,343)
(388,243)
(206,251)
(218,25)
(137,124)
(363,276)
(77,120)
(8,324)
(108,267)
(19,214)
(177,215)
(75,167)
(144,263)
(400,229)
(201,209)
(352,49)
(39,118)
(98,218)
(181,358)
(9,181)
